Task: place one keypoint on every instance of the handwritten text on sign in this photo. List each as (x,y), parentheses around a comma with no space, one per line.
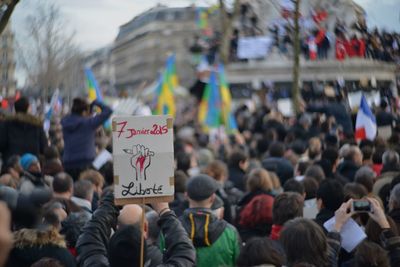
(143,156)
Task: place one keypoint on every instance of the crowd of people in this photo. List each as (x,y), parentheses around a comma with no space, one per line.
(261,196)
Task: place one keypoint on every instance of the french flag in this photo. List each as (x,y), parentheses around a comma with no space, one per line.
(365,123)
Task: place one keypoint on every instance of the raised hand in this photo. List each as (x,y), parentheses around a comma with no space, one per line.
(140,160)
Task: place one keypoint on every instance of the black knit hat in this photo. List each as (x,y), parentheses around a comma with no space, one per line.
(201,187)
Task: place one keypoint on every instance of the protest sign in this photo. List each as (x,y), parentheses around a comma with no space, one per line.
(143,159)
(254,47)
(285,106)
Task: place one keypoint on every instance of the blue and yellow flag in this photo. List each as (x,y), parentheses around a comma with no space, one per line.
(216,105)
(168,82)
(92,86)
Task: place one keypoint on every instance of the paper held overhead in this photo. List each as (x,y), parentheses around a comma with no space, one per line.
(143,159)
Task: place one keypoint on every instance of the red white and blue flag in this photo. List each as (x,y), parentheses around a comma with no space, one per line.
(365,123)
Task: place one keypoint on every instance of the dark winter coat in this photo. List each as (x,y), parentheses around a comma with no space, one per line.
(281,166)
(22,133)
(79,137)
(93,243)
(348,169)
(32,245)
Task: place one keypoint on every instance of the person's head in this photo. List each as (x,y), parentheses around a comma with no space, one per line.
(374,231)
(292,185)
(369,254)
(183,162)
(131,215)
(30,163)
(80,107)
(13,166)
(8,180)
(354,191)
(287,206)
(331,154)
(180,181)
(51,152)
(316,172)
(153,232)
(314,147)
(238,159)
(84,189)
(95,178)
(63,185)
(330,195)
(366,177)
(53,214)
(301,167)
(390,160)
(21,105)
(259,251)
(259,179)
(276,149)
(124,247)
(367,152)
(304,242)
(394,200)
(310,187)
(354,155)
(217,170)
(200,190)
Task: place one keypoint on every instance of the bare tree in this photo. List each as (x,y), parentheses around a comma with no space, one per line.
(227,19)
(296,58)
(50,48)
(6,9)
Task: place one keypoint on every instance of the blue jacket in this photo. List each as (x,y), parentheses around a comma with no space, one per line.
(79,137)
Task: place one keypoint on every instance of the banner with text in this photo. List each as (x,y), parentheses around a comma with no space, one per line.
(254,47)
(143,159)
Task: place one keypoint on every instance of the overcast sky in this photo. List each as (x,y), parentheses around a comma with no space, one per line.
(96,22)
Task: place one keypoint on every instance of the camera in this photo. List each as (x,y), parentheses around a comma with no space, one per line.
(361,206)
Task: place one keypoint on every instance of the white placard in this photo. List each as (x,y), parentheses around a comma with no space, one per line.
(254,47)
(354,99)
(352,234)
(285,107)
(143,159)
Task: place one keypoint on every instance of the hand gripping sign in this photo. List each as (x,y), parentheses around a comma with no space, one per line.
(143,159)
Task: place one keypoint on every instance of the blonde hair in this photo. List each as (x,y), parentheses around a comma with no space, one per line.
(93,176)
(259,179)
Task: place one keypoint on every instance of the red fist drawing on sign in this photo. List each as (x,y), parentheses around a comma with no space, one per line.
(140,160)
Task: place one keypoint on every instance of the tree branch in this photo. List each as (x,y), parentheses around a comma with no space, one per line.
(7,14)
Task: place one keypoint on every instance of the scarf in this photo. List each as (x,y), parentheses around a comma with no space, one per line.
(275,231)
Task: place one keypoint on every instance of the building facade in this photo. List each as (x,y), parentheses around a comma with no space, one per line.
(7,63)
(143,44)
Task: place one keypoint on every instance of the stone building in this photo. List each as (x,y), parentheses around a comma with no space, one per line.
(143,44)
(7,63)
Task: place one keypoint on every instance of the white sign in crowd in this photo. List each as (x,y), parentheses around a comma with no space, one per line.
(143,159)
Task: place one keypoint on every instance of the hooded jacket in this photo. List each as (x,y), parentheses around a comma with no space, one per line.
(32,245)
(217,242)
(22,133)
(79,137)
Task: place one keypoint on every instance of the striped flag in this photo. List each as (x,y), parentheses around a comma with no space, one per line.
(366,127)
(92,86)
(216,105)
(168,82)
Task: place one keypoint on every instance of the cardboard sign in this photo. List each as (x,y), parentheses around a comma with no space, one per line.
(143,159)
